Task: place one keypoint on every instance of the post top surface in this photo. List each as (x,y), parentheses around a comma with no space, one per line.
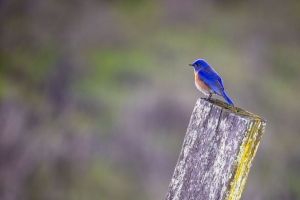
(235,110)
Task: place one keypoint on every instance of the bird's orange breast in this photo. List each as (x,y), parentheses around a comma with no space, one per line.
(201,85)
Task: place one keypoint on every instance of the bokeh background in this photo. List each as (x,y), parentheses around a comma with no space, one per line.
(96,96)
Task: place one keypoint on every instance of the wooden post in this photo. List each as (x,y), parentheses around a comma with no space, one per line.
(219,146)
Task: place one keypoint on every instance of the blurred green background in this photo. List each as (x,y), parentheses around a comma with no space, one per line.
(96,96)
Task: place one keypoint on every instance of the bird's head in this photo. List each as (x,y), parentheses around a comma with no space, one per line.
(200,64)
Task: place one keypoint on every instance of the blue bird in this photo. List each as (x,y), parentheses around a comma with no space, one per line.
(208,81)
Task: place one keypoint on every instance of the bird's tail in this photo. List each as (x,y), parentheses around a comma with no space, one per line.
(228,100)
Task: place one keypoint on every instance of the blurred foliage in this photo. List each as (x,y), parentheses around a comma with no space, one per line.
(95,96)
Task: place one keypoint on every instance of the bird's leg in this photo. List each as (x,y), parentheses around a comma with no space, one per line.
(209,96)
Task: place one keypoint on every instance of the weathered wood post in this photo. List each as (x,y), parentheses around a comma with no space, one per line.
(217,152)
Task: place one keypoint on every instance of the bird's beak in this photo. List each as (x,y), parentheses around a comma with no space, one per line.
(191,65)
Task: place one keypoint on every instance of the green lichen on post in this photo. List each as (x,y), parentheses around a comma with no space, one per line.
(244,159)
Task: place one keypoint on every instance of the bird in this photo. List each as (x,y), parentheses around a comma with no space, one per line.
(208,81)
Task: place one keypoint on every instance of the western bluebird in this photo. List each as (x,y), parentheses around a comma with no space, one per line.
(208,81)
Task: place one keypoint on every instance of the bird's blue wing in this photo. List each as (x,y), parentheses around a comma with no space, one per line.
(212,79)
